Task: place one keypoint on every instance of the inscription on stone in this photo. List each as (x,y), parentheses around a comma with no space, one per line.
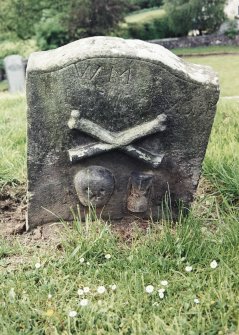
(115,124)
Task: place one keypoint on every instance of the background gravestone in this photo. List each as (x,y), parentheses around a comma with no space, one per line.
(119,124)
(15,72)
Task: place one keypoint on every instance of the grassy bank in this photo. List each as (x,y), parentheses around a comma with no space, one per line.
(228,69)
(144,16)
(43,294)
(12,138)
(213,50)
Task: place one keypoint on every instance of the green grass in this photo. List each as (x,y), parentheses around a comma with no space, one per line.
(144,16)
(210,232)
(206,50)
(227,66)
(3,86)
(221,163)
(160,254)
(12,138)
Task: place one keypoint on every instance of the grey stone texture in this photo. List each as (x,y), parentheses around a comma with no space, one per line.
(116,124)
(15,72)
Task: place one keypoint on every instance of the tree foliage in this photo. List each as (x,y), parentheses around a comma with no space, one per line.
(93,17)
(141,4)
(58,22)
(185,15)
(19,16)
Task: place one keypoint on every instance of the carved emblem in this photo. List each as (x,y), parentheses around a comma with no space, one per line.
(94,185)
(115,140)
(140,186)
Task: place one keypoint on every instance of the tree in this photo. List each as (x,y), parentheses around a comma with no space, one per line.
(19,16)
(141,4)
(55,23)
(185,15)
(93,17)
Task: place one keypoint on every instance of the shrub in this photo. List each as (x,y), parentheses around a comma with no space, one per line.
(232,30)
(142,4)
(50,33)
(154,29)
(16,47)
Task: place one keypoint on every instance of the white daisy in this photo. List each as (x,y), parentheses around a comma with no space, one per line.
(108,256)
(161,290)
(84,302)
(72,314)
(86,289)
(161,295)
(49,296)
(101,289)
(188,268)
(197,301)
(213,264)
(149,289)
(37,265)
(113,287)
(82,260)
(12,294)
(80,291)
(164,282)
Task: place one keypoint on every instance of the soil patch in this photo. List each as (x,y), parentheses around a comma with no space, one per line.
(13,207)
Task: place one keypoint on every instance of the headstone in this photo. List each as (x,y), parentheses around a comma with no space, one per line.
(120,125)
(15,73)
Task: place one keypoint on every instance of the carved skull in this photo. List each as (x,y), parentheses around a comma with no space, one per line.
(94,185)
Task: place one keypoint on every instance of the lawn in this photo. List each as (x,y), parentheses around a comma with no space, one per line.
(58,290)
(214,49)
(144,16)
(12,138)
(227,66)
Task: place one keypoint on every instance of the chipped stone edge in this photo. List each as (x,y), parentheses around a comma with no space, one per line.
(101,46)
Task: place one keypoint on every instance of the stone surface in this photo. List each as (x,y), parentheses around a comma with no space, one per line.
(121,123)
(15,72)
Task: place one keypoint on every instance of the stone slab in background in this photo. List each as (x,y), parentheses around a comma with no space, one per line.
(121,124)
(15,72)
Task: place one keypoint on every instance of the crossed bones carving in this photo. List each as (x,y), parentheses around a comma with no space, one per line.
(115,140)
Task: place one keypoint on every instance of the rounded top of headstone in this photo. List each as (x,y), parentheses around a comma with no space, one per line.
(114,47)
(13,58)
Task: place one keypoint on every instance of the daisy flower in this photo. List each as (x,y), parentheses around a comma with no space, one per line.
(164,282)
(101,289)
(149,289)
(80,291)
(72,314)
(84,302)
(37,265)
(213,264)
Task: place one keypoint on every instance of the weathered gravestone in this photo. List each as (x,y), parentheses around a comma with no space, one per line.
(15,72)
(117,124)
